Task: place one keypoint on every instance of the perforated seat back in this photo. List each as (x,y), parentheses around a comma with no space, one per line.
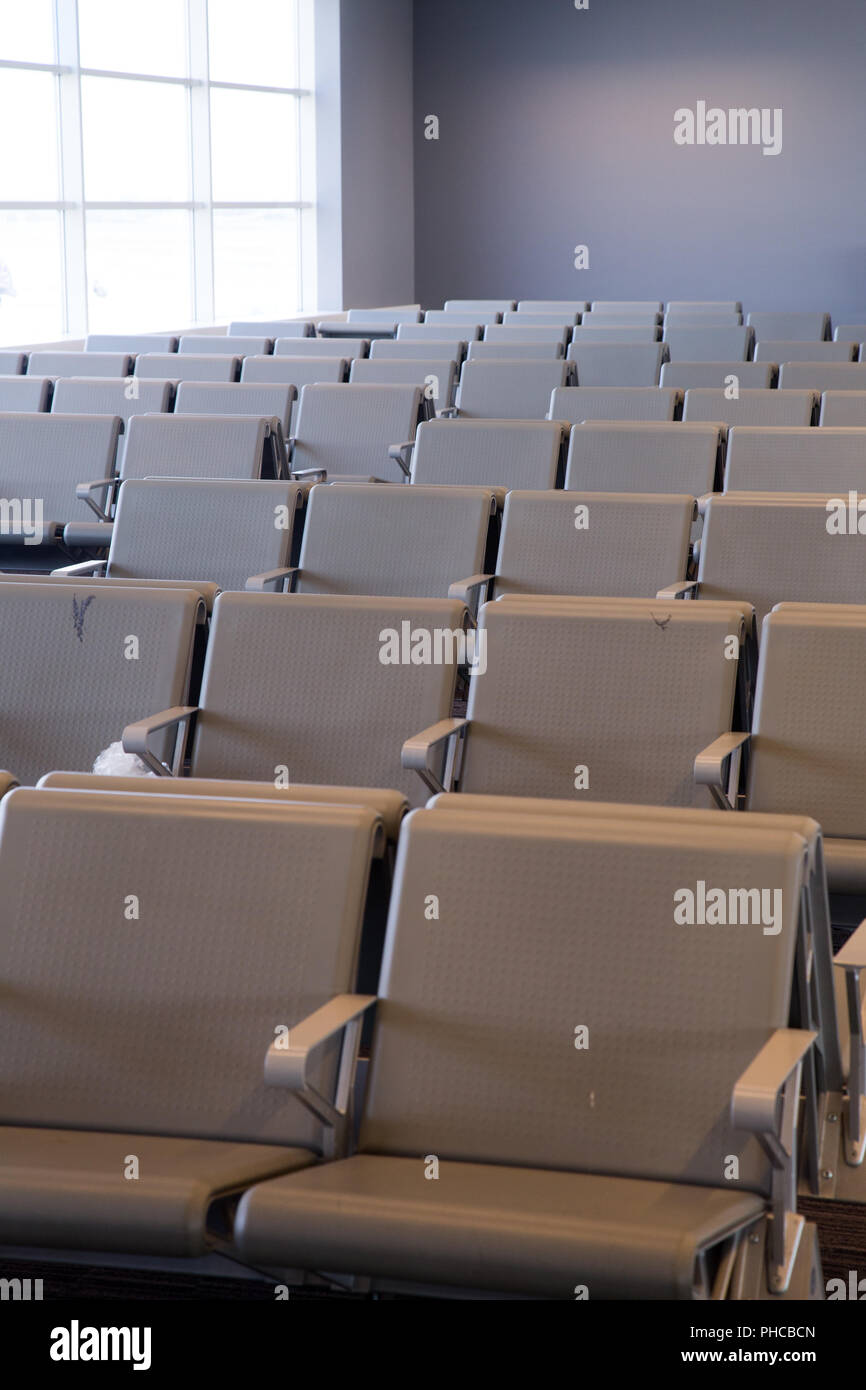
(349,429)
(247,918)
(105,396)
(509,390)
(83,661)
(201,529)
(759,376)
(463,1054)
(709,344)
(843,408)
(130,342)
(808,750)
(592,543)
(792,326)
(576,403)
(44,456)
(306,683)
(823,376)
(401,540)
(51,363)
(235,344)
(623,364)
(487,453)
(433,375)
(774,549)
(650,456)
(750,407)
(188,366)
(795,460)
(321,347)
(236,398)
(629,695)
(782,350)
(178,446)
(24,393)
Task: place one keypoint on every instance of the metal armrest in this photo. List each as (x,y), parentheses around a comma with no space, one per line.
(679,589)
(701,502)
(765,1101)
(463,588)
(449,412)
(310,473)
(258,582)
(852,959)
(84,492)
(710,770)
(402,454)
(416,752)
(85,567)
(287,1059)
(136,736)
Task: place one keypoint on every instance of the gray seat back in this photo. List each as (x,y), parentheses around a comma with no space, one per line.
(530,734)
(791,326)
(843,408)
(704,306)
(470,306)
(576,403)
(751,407)
(306,683)
(383,316)
(612,331)
(649,456)
(488,453)
(294,371)
(52,363)
(322,347)
(777,548)
(783,350)
(415,541)
(12,363)
(216,531)
(407,349)
(27,393)
(764,459)
(620,364)
(438,319)
(509,349)
(445,331)
(44,456)
(139,1039)
(434,375)
(349,429)
(186,446)
(132,343)
(236,398)
(592,543)
(521,332)
(72,677)
(808,750)
(106,396)
(643,1104)
(823,376)
(755,375)
(708,344)
(564,319)
(509,390)
(176,366)
(552,306)
(235,344)
(626,306)
(272,328)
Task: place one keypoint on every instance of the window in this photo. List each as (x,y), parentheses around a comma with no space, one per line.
(157,179)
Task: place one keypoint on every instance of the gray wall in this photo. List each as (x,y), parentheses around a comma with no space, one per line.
(556,128)
(377,153)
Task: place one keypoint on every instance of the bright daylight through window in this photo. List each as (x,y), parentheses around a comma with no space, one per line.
(155,177)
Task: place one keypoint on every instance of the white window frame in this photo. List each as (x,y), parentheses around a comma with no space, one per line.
(73,207)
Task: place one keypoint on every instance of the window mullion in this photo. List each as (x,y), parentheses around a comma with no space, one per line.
(71,168)
(200,163)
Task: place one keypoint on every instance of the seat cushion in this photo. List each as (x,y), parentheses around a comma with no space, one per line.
(480,1226)
(69,1188)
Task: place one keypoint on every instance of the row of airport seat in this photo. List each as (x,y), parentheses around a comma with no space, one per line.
(678,1146)
(70,463)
